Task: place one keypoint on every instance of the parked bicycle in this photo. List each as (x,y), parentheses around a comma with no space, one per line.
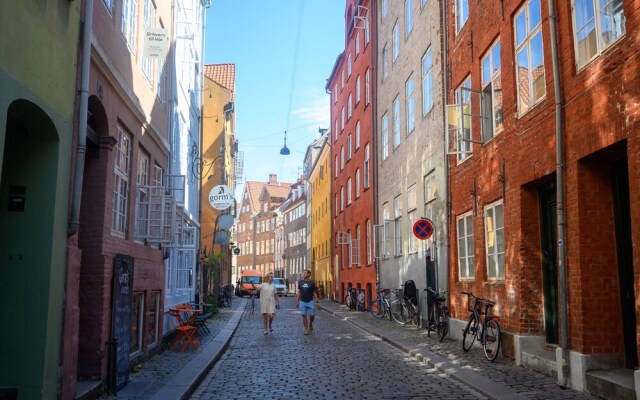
(404,308)
(225,296)
(252,304)
(438,314)
(351,297)
(483,326)
(379,307)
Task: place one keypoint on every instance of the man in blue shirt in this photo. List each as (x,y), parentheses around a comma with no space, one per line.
(307,300)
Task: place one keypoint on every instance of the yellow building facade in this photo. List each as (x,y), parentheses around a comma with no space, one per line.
(320,184)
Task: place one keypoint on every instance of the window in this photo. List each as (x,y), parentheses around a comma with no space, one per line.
(341,198)
(110,4)
(385,8)
(348,191)
(137,314)
(129,25)
(529,56)
(411,105)
(349,147)
(121,186)
(335,202)
(336,167)
(491,93)
(357,44)
(358,89)
(412,205)
(397,210)
(342,118)
(162,76)
(369,243)
(423,2)
(427,82)
(396,122)
(149,22)
(385,136)
(357,183)
(335,93)
(466,266)
(142,205)
(396,42)
(342,80)
(184,273)
(494,239)
(154,318)
(349,63)
(355,257)
(366,166)
(430,187)
(463,102)
(357,135)
(349,107)
(367,87)
(597,25)
(462,13)
(389,234)
(408,17)
(341,158)
(385,62)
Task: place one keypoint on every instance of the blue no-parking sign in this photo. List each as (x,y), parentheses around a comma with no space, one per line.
(423,229)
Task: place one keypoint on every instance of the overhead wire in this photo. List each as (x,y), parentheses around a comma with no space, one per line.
(295,64)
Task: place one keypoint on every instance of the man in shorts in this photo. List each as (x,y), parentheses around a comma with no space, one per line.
(307,300)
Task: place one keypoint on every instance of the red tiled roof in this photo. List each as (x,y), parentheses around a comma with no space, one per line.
(254,189)
(278,191)
(223,74)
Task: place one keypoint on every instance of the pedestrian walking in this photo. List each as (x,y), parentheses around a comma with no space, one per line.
(307,300)
(268,302)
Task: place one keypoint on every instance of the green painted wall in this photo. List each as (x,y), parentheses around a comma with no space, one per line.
(38,52)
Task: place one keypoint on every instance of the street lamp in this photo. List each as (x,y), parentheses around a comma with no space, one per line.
(285,150)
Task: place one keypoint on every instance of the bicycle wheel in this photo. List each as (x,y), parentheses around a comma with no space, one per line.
(398,312)
(442,323)
(469,333)
(386,309)
(375,308)
(413,317)
(348,301)
(491,342)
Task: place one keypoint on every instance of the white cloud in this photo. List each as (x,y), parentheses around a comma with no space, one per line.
(314,108)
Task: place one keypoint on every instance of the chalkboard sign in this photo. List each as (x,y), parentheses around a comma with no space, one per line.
(121,315)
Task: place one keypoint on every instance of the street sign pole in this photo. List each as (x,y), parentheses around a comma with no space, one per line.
(423,229)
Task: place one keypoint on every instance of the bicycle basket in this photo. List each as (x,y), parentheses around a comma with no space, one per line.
(471,303)
(410,292)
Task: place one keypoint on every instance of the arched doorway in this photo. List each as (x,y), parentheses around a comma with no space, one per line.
(27,216)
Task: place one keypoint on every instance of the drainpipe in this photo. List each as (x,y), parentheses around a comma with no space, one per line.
(445,96)
(374,120)
(562,256)
(81,150)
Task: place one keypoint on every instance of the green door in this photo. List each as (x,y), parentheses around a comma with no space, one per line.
(548,242)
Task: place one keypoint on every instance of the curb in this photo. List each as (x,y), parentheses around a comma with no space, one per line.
(182,385)
(472,379)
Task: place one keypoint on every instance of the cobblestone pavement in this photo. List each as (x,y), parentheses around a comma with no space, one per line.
(338,360)
(153,373)
(527,383)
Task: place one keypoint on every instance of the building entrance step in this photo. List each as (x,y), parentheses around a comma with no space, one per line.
(541,359)
(612,384)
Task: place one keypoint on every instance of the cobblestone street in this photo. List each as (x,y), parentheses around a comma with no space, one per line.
(337,360)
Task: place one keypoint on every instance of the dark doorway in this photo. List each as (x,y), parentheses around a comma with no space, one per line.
(622,219)
(548,240)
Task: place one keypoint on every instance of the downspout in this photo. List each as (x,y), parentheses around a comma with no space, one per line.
(562,256)
(374,131)
(445,96)
(81,149)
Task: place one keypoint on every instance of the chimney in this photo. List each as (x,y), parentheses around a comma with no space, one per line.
(273,179)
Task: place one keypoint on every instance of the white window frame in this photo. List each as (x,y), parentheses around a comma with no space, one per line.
(357,183)
(427,81)
(349,106)
(367,87)
(491,81)
(410,90)
(385,62)
(349,186)
(349,63)
(129,24)
(533,34)
(397,237)
(396,122)
(358,89)
(466,260)
(463,141)
(349,146)
(384,128)
(369,243)
(494,236)
(149,22)
(357,134)
(122,169)
(595,24)
(396,42)
(408,17)
(365,172)
(462,13)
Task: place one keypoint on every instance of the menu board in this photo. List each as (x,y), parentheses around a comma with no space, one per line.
(121,315)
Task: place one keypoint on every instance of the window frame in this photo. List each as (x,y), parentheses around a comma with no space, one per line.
(493,271)
(469,237)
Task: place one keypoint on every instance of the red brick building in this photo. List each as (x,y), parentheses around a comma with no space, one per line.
(545,183)
(351,85)
(256,223)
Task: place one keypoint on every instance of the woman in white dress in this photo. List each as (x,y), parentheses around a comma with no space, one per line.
(268,302)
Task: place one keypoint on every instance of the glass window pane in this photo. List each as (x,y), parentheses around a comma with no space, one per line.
(584,12)
(534,14)
(495,57)
(486,70)
(521,27)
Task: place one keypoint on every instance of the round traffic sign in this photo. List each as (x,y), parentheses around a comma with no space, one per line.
(423,229)
(221,197)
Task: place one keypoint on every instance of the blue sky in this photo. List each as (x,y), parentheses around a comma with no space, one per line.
(259,36)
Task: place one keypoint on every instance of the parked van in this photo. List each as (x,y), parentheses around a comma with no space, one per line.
(282,288)
(248,277)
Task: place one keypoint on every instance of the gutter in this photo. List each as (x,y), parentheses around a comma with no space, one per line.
(565,369)
(81,149)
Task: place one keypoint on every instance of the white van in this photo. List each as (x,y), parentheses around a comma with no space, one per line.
(281,287)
